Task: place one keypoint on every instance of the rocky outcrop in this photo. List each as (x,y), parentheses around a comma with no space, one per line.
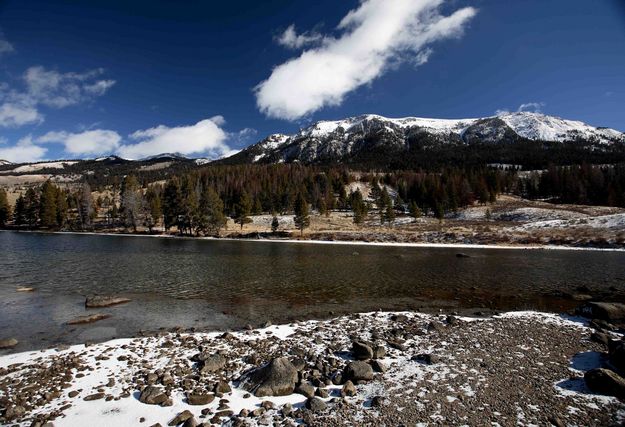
(277,378)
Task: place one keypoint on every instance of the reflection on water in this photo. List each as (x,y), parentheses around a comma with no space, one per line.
(220,284)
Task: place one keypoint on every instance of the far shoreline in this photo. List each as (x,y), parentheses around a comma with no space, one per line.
(336,242)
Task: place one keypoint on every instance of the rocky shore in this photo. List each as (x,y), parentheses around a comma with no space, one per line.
(518,368)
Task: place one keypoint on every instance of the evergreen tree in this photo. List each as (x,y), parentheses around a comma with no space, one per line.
(242,210)
(211,216)
(48,205)
(414,210)
(61,207)
(358,207)
(31,207)
(5,209)
(172,202)
(154,210)
(274,224)
(19,213)
(302,217)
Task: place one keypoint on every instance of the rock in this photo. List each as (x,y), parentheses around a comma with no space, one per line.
(305,389)
(322,392)
(104,301)
(267,405)
(555,421)
(152,395)
(8,343)
(211,362)
(399,318)
(277,378)
(200,399)
(608,311)
(378,366)
(316,405)
(222,387)
(379,352)
(427,358)
(600,337)
(361,351)
(358,371)
(95,396)
(298,363)
(88,319)
(287,409)
(13,412)
(25,289)
(616,353)
(605,381)
(180,418)
(377,401)
(190,422)
(348,389)
(436,327)
(462,255)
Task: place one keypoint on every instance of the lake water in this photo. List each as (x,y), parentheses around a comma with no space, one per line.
(229,284)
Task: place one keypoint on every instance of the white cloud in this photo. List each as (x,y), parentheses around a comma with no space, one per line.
(54,89)
(24,151)
(290,39)
(374,37)
(535,107)
(14,114)
(91,142)
(49,88)
(206,136)
(5,47)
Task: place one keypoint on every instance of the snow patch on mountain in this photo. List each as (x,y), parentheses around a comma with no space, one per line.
(5,162)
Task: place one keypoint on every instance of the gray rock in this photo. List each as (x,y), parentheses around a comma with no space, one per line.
(379,352)
(378,366)
(605,381)
(152,395)
(305,389)
(348,389)
(277,378)
(361,350)
(222,387)
(358,371)
(212,362)
(180,418)
(316,405)
(377,401)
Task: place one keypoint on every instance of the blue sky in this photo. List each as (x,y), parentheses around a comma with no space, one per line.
(204,78)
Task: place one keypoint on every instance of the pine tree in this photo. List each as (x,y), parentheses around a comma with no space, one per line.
(61,207)
(358,207)
(31,207)
(414,210)
(172,202)
(302,217)
(5,209)
(19,213)
(211,216)
(154,210)
(242,210)
(47,205)
(274,224)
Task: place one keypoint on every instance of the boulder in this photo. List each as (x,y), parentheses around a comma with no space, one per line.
(605,381)
(379,352)
(426,358)
(316,405)
(8,343)
(608,311)
(305,389)
(104,301)
(358,371)
(152,395)
(180,418)
(277,378)
(348,389)
(222,387)
(200,398)
(361,350)
(616,352)
(211,362)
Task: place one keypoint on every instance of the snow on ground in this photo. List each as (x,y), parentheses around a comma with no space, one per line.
(39,166)
(285,221)
(404,379)
(616,222)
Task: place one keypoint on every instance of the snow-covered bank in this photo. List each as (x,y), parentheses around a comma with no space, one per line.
(509,369)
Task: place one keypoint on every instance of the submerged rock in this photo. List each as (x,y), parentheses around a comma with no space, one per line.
(104,301)
(8,343)
(80,320)
(277,378)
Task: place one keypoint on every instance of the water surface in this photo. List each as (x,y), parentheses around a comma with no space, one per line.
(228,284)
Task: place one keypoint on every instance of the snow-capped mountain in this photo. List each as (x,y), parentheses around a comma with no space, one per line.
(343,139)
(4,162)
